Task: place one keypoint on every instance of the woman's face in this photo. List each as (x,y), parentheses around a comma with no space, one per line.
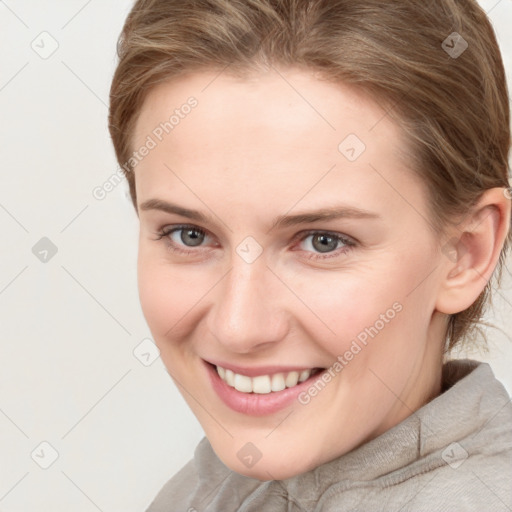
(281,232)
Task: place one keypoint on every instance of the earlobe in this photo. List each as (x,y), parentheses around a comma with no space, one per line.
(472,253)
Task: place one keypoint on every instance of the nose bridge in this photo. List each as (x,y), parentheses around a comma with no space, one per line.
(245,313)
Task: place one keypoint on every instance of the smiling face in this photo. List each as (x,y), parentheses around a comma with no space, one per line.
(280,232)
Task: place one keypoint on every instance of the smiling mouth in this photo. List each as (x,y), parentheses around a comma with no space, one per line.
(264,384)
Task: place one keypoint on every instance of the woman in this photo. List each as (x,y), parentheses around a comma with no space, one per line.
(323,198)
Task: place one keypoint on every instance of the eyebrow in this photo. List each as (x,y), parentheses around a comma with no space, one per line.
(323,214)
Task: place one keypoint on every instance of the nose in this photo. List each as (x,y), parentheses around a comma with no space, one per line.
(247,313)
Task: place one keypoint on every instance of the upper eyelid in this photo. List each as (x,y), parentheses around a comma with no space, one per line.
(168,229)
(343,236)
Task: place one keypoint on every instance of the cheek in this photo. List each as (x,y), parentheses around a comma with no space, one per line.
(155,300)
(366,306)
(166,296)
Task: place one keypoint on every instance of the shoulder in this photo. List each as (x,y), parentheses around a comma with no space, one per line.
(453,480)
(204,482)
(467,482)
(461,458)
(177,490)
(469,457)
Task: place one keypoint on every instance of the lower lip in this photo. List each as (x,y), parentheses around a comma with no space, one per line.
(256,404)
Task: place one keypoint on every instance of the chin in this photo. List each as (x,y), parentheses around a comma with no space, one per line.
(265,470)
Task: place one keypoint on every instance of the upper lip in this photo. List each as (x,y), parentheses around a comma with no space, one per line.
(255,371)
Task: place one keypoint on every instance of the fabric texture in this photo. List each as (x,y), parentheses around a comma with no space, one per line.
(454,453)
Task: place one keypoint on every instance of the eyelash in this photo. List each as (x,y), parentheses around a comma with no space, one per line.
(349,243)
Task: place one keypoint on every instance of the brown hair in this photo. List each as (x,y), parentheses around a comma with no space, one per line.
(453,108)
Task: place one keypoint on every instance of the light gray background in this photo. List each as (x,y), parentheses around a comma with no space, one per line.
(69,326)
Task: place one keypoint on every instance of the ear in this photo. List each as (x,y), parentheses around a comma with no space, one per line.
(472,253)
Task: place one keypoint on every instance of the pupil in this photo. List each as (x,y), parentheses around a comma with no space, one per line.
(191,237)
(324,243)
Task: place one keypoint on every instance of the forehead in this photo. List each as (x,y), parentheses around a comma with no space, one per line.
(274,132)
(290,101)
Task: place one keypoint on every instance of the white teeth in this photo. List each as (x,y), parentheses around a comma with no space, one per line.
(243,383)
(304,374)
(230,378)
(278,383)
(291,379)
(262,384)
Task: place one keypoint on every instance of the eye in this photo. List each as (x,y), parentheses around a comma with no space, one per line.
(183,238)
(186,239)
(191,237)
(318,243)
(322,242)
